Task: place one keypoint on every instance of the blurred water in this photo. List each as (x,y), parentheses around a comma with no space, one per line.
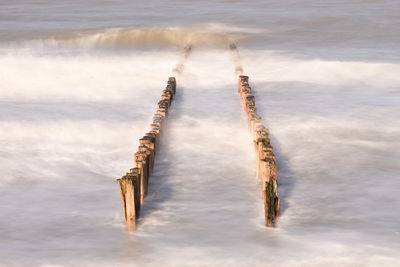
(79,83)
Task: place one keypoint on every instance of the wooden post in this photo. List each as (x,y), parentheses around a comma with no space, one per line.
(149,154)
(136,174)
(162,111)
(140,163)
(149,140)
(129,190)
(243,80)
(155,130)
(269,176)
(172,82)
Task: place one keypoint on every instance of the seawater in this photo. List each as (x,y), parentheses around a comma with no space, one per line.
(79,83)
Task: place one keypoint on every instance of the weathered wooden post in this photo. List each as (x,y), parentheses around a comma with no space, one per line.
(162,110)
(269,176)
(261,143)
(156,130)
(172,82)
(149,142)
(130,196)
(141,164)
(243,80)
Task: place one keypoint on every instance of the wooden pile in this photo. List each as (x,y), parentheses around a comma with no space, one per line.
(267,171)
(133,185)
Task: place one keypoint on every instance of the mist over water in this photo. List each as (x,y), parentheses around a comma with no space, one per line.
(79,83)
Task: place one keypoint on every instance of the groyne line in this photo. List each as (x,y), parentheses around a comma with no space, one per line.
(133,186)
(267,170)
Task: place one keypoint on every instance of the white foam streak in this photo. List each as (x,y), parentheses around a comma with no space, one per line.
(53,149)
(83,77)
(281,68)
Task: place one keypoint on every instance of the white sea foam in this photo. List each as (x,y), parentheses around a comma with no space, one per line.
(83,78)
(75,128)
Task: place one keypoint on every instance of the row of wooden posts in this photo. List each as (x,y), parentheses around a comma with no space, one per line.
(267,170)
(133,185)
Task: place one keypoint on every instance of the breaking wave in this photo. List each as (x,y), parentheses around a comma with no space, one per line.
(209,35)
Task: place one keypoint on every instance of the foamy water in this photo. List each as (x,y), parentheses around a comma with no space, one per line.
(79,84)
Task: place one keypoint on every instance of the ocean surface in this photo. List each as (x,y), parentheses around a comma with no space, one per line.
(79,83)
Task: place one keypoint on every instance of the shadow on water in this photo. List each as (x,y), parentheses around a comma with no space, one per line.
(160,189)
(286,182)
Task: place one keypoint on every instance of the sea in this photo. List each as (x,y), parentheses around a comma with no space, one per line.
(80,82)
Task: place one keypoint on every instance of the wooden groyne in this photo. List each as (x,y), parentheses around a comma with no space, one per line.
(267,170)
(133,185)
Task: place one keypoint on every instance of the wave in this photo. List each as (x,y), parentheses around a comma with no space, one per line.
(199,35)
